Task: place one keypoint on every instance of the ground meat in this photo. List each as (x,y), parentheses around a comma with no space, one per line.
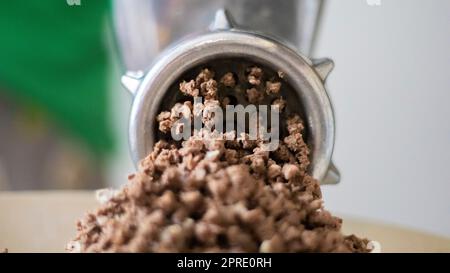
(165,123)
(254,75)
(273,87)
(168,119)
(254,96)
(228,80)
(279,103)
(217,192)
(290,171)
(189,88)
(203,85)
(208,89)
(204,76)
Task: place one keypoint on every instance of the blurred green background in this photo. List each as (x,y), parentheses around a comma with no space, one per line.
(55,70)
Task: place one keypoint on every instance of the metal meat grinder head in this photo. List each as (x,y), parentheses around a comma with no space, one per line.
(225,41)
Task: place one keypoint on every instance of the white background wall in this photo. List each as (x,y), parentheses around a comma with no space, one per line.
(391,92)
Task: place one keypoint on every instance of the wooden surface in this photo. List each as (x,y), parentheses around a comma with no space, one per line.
(45,222)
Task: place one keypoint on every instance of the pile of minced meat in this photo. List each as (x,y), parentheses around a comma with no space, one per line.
(218,194)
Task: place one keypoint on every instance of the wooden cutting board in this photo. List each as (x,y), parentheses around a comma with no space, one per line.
(45,222)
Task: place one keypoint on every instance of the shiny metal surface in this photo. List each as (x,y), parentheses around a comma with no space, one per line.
(145,27)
